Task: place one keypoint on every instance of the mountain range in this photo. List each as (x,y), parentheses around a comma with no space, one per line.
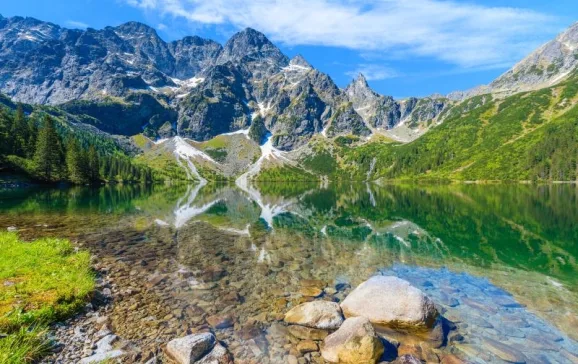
(126,81)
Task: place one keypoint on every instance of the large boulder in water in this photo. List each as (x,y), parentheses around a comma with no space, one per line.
(354,342)
(390,301)
(317,314)
(199,348)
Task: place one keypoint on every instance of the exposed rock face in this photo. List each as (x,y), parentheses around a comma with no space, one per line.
(546,66)
(192,87)
(390,301)
(216,106)
(383,112)
(354,342)
(252,50)
(139,112)
(317,314)
(46,64)
(192,55)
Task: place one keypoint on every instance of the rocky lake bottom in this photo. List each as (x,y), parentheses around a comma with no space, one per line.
(498,262)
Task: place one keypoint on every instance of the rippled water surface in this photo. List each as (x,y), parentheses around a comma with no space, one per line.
(500,261)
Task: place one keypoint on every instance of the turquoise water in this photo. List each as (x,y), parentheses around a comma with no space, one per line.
(499,260)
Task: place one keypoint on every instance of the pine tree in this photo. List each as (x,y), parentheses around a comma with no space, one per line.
(93,165)
(76,162)
(19,133)
(48,155)
(5,126)
(32,137)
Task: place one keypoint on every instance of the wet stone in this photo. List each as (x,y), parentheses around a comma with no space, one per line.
(317,314)
(302,332)
(311,291)
(504,352)
(221,321)
(407,359)
(307,346)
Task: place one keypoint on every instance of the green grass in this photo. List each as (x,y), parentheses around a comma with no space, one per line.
(285,173)
(220,141)
(142,142)
(25,345)
(40,282)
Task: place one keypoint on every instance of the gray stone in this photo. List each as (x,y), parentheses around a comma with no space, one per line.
(219,355)
(189,349)
(354,342)
(317,314)
(504,351)
(104,351)
(386,300)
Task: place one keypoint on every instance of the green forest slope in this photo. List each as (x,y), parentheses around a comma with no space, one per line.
(527,136)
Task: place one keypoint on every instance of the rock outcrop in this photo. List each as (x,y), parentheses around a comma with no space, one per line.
(383,112)
(192,87)
(551,63)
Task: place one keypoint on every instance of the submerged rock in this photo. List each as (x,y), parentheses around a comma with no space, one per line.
(504,352)
(354,342)
(307,333)
(221,321)
(317,314)
(190,348)
(307,346)
(390,301)
(219,355)
(407,359)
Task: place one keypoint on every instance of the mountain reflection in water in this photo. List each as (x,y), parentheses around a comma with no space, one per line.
(508,252)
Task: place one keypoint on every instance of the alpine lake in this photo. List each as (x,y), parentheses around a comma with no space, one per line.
(499,261)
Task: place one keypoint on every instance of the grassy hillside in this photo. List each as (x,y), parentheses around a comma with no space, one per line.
(528,136)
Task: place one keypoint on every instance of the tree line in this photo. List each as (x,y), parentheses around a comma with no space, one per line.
(45,154)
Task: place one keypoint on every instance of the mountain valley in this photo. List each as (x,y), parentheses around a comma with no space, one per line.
(194,109)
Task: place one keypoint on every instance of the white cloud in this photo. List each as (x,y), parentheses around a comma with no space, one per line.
(161,26)
(374,72)
(76,24)
(465,34)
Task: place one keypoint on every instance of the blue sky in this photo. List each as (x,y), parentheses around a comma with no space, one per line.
(404,47)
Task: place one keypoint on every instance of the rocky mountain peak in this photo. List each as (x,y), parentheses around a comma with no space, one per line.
(359,89)
(361,80)
(299,60)
(135,29)
(195,41)
(248,45)
(569,38)
(548,65)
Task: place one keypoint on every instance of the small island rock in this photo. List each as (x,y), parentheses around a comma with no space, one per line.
(390,301)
